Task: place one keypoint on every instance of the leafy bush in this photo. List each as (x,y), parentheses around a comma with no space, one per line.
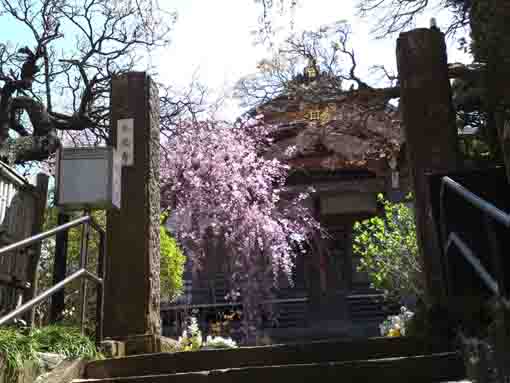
(67,341)
(15,348)
(172,265)
(18,346)
(388,250)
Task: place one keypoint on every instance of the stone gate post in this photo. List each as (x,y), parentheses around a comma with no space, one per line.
(132,287)
(430,133)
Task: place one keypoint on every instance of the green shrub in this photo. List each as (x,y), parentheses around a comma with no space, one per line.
(171,266)
(388,250)
(18,346)
(63,340)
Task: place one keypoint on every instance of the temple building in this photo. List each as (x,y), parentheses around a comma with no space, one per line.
(347,147)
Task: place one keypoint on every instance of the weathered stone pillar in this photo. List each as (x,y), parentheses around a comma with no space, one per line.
(132,289)
(430,132)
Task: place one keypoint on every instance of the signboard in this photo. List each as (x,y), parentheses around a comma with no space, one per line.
(348,203)
(125,141)
(88,178)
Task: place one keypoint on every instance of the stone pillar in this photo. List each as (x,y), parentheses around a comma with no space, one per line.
(431,136)
(132,288)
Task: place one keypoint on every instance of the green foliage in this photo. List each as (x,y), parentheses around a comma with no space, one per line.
(388,250)
(172,266)
(15,348)
(64,340)
(19,347)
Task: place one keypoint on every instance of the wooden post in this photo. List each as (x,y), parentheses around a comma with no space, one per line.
(132,288)
(35,250)
(431,136)
(59,269)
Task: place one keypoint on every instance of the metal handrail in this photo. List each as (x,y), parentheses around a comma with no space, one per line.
(452,238)
(48,293)
(83,274)
(47,234)
(486,207)
(470,257)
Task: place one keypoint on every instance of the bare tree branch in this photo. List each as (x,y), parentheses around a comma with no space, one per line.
(108,37)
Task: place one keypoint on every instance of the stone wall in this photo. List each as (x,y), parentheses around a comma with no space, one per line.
(49,368)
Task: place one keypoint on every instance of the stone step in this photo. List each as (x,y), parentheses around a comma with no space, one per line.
(313,352)
(444,367)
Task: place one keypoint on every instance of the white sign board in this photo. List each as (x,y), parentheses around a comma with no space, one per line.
(125,141)
(88,178)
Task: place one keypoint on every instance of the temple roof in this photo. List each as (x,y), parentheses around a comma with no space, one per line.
(334,131)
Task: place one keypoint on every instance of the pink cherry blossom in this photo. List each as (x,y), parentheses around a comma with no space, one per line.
(217,185)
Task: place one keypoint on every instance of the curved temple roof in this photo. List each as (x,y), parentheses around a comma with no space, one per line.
(344,132)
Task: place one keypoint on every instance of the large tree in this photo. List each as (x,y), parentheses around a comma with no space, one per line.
(477,90)
(218,187)
(484,98)
(325,54)
(55,81)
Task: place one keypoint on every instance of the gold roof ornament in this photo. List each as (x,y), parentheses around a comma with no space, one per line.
(311,72)
(311,69)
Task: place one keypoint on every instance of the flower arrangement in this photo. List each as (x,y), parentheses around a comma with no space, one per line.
(192,339)
(219,342)
(395,325)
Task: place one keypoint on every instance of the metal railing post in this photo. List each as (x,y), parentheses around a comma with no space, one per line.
(82,274)
(495,253)
(443,234)
(100,288)
(83,265)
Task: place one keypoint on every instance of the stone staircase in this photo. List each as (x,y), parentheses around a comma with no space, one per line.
(391,360)
(367,307)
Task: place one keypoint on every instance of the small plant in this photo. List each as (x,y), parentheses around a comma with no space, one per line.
(396,325)
(192,339)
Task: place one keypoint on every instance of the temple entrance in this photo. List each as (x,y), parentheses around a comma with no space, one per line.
(339,266)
